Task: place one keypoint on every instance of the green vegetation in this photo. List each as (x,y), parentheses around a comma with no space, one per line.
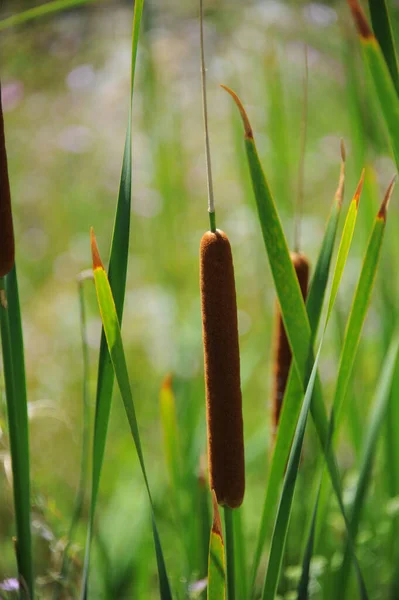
(108,498)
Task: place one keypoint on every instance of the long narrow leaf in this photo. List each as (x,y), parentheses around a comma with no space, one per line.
(292,306)
(377,416)
(113,336)
(14,374)
(353,330)
(285,505)
(359,307)
(40,11)
(117,278)
(383,82)
(291,407)
(216,561)
(383,32)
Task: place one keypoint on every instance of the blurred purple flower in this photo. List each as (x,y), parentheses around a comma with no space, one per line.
(9,585)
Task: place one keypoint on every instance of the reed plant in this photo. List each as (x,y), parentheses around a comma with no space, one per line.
(174,541)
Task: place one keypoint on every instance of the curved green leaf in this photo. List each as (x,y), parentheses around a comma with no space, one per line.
(378,68)
(113,336)
(383,32)
(17,409)
(380,405)
(352,336)
(40,11)
(284,510)
(117,279)
(291,407)
(294,315)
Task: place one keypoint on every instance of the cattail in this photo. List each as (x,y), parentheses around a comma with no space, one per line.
(6,226)
(222,369)
(282,350)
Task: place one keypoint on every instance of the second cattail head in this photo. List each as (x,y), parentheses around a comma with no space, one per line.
(6,225)
(282,351)
(222,369)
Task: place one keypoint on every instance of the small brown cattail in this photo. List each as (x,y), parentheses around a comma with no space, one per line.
(282,350)
(222,370)
(6,226)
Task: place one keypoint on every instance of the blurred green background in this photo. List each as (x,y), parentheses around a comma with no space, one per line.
(65,88)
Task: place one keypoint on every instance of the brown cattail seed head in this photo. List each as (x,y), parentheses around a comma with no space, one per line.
(222,370)
(282,350)
(6,226)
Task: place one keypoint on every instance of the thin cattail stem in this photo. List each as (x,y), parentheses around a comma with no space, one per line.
(7,252)
(211,199)
(222,369)
(282,350)
(301,169)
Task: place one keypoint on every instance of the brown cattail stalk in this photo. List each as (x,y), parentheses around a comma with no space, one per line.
(222,370)
(282,350)
(6,226)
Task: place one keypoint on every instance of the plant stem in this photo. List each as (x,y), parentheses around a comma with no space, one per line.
(229,533)
(80,494)
(212,221)
(19,445)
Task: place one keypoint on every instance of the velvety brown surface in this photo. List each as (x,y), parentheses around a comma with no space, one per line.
(222,370)
(6,227)
(282,351)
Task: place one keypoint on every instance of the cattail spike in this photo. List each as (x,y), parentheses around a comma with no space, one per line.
(222,370)
(282,350)
(7,250)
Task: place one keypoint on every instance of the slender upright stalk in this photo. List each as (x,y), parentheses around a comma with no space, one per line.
(230,554)
(19,445)
(80,494)
(211,202)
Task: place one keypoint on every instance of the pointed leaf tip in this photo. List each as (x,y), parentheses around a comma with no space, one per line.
(359,188)
(167,382)
(247,125)
(97,262)
(217,523)
(361,23)
(382,213)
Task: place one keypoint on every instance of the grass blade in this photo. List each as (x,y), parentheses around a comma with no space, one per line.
(240,554)
(80,493)
(351,340)
(117,279)
(376,419)
(292,306)
(383,32)
(284,510)
(359,307)
(378,68)
(280,531)
(230,553)
(17,408)
(216,561)
(113,336)
(40,11)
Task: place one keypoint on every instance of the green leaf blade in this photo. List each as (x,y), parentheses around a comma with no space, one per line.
(113,336)
(216,562)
